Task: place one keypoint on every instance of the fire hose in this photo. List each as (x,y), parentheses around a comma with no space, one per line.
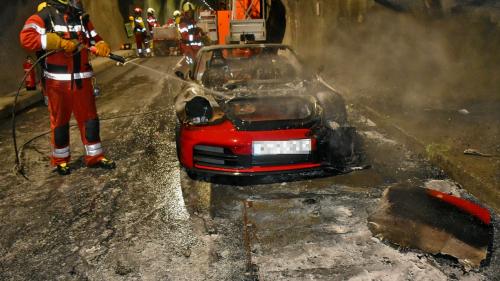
(18,167)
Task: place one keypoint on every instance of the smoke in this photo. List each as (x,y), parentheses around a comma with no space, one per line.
(406,60)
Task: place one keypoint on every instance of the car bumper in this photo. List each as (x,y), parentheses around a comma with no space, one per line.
(228,151)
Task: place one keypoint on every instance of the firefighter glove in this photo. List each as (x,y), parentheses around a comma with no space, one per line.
(69,46)
(102,49)
(55,42)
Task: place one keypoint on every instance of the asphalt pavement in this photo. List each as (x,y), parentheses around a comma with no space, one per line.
(461,140)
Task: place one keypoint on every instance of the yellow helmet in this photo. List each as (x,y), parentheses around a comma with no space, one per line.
(41,6)
(177,13)
(188,6)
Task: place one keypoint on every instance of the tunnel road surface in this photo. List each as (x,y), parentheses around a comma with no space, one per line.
(132,223)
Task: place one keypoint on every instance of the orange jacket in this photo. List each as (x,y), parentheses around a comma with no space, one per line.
(152,22)
(33,38)
(190,33)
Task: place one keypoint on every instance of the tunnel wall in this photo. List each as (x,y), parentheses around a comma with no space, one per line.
(11,54)
(104,14)
(108,21)
(317,19)
(164,9)
(409,57)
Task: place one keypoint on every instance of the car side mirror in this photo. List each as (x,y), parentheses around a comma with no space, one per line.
(180,75)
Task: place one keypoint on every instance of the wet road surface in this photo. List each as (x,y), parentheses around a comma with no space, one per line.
(132,223)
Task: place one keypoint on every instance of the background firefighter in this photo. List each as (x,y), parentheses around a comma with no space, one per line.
(175,19)
(63,28)
(152,23)
(140,32)
(191,34)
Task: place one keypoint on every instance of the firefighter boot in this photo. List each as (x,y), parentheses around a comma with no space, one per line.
(63,169)
(106,164)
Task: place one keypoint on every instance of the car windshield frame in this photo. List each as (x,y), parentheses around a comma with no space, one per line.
(205,54)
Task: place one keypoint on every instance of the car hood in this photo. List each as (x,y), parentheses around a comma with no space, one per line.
(239,89)
(270,105)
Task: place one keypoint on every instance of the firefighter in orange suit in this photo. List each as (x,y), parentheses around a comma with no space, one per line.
(140,32)
(191,35)
(152,21)
(175,20)
(63,29)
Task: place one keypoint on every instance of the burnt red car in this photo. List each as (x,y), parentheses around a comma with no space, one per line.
(253,109)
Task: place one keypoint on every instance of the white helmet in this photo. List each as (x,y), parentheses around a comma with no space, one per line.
(188,6)
(151,11)
(177,13)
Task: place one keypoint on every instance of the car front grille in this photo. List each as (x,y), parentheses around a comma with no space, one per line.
(220,157)
(214,156)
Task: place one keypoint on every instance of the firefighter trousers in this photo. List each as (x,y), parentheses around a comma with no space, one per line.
(65,98)
(189,51)
(139,41)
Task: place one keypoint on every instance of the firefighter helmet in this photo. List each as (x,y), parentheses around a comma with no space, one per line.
(41,6)
(151,11)
(177,13)
(188,6)
(77,6)
(138,11)
(64,2)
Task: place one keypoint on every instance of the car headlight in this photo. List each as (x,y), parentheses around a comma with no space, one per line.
(199,110)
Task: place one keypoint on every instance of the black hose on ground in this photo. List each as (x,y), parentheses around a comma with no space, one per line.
(19,168)
(21,148)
